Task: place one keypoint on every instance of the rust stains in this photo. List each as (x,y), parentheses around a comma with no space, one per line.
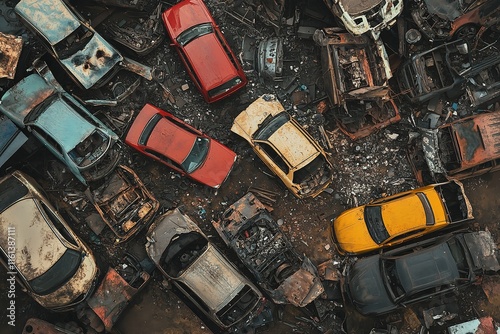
(10,51)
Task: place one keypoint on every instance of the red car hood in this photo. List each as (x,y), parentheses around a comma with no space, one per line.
(216,167)
(184,15)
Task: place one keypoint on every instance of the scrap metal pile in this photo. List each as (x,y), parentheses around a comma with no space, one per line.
(127,117)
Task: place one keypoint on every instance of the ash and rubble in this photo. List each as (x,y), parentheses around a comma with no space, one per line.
(370,167)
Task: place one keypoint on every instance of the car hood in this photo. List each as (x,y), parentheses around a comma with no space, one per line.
(184,15)
(217,165)
(366,287)
(248,121)
(351,232)
(93,62)
(18,101)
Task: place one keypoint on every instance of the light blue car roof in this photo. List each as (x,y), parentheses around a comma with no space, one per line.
(51,18)
(64,125)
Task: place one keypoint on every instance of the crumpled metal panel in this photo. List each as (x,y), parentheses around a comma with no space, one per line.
(112,297)
(483,250)
(270,57)
(10,51)
(93,62)
(124,203)
(430,146)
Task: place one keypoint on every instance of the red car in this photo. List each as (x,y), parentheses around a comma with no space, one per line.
(162,136)
(203,49)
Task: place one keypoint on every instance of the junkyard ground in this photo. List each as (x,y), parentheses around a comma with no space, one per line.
(365,169)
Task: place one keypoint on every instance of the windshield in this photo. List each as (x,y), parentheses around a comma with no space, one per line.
(194,32)
(445,9)
(61,272)
(270,125)
(197,155)
(375,224)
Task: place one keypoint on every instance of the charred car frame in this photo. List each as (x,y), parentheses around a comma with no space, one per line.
(355,72)
(248,228)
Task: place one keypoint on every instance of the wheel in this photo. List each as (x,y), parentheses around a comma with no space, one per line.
(467,32)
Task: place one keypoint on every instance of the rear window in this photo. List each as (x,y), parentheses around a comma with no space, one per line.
(11,190)
(61,272)
(375,224)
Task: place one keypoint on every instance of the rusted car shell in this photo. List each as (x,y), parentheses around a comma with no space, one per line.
(211,276)
(90,65)
(10,52)
(124,203)
(39,244)
(353,83)
(461,149)
(360,17)
(484,87)
(270,256)
(112,297)
(296,147)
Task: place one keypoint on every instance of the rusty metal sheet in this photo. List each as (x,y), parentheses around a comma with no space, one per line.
(478,138)
(112,297)
(124,203)
(10,51)
(52,19)
(301,288)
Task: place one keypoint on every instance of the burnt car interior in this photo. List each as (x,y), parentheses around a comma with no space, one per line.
(182,252)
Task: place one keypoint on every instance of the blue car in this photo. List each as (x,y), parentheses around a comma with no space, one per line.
(83,143)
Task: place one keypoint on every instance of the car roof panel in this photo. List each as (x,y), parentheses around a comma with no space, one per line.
(210,61)
(294,146)
(64,125)
(171,141)
(428,268)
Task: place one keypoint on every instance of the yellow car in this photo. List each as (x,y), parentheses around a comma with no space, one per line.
(284,146)
(395,219)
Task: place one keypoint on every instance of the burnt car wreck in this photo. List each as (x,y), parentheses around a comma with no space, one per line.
(355,71)
(124,203)
(248,228)
(457,150)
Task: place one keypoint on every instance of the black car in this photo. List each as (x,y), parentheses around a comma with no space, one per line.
(381,283)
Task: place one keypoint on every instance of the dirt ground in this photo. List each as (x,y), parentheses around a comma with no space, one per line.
(364,170)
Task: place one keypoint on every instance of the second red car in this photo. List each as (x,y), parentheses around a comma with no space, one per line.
(162,136)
